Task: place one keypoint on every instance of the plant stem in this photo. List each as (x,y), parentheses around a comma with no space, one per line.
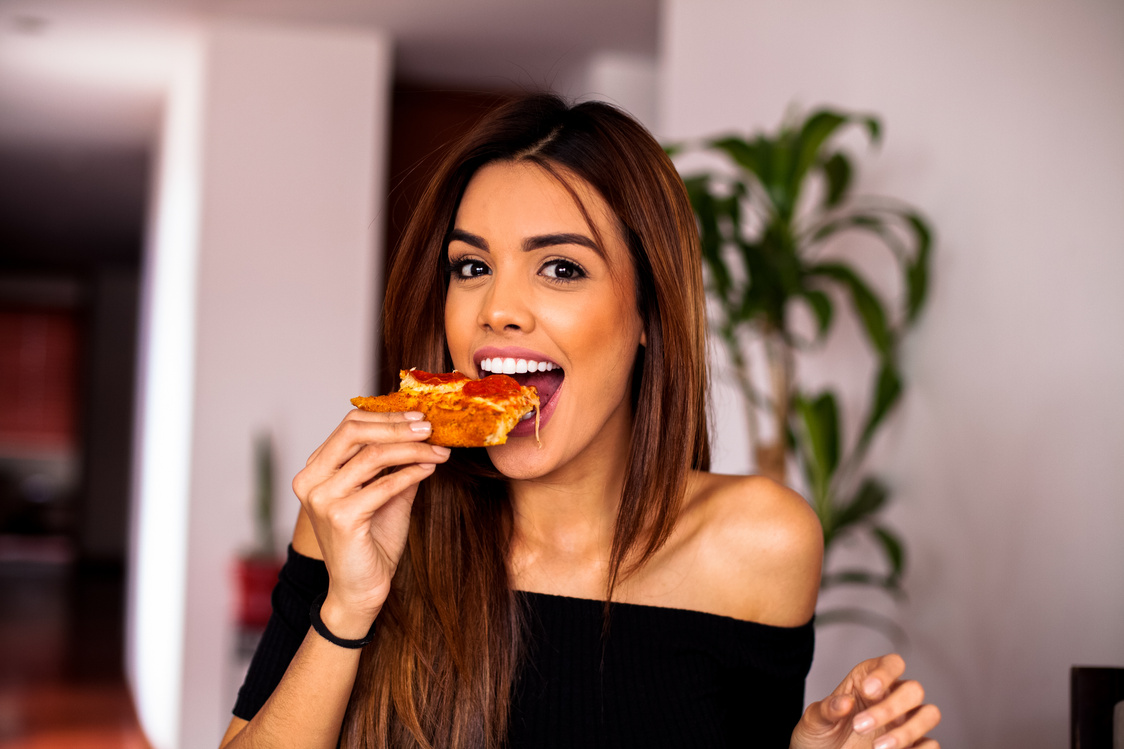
(771,457)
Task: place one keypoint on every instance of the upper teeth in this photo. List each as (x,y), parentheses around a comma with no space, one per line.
(515,366)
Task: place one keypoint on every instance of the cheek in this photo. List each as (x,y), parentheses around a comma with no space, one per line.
(457,327)
(604,330)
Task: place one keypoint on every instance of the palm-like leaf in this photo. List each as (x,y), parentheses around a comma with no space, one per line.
(867,304)
(760,241)
(819,441)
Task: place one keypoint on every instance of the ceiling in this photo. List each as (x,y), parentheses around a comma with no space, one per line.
(81,84)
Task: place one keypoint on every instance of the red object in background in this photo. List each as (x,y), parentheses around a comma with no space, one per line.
(38,378)
(255,578)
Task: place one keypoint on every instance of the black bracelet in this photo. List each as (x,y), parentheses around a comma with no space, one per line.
(322,629)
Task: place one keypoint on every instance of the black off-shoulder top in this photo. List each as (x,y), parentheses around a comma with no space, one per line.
(663,678)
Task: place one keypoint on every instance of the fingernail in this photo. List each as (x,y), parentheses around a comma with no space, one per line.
(839,704)
(427,465)
(886,742)
(871,687)
(442,451)
(864,724)
(420,426)
(413,416)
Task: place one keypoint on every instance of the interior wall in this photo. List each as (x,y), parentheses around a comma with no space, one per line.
(156,565)
(628,81)
(283,174)
(1002,123)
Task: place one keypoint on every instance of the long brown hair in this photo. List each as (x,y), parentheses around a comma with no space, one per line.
(441,670)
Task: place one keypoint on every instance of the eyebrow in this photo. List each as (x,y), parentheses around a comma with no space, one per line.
(530,244)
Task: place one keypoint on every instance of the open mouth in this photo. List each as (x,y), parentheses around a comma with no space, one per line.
(546,377)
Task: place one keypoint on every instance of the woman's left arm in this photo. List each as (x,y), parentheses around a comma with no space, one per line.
(872,707)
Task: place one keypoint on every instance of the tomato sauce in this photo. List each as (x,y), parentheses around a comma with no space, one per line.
(492,386)
(442,378)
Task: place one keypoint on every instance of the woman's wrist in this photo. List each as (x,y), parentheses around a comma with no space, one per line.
(346,622)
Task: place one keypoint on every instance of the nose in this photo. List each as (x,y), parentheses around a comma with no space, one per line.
(506,307)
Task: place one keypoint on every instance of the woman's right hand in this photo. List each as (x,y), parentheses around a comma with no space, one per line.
(359,508)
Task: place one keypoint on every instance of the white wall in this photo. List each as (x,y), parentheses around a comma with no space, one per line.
(1005,124)
(284,179)
(157,569)
(631,82)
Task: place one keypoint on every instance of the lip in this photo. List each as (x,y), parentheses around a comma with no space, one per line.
(508,352)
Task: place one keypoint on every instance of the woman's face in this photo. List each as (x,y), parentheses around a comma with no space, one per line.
(531,288)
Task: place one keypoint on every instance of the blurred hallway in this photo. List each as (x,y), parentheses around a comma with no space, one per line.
(62,683)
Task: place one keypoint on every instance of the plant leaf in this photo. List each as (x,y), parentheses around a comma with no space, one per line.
(917,275)
(866,303)
(887,391)
(821,306)
(769,263)
(784,184)
(889,583)
(892,548)
(875,621)
(869,499)
(772,180)
(710,235)
(803,441)
(873,129)
(867,220)
(828,414)
(819,126)
(816,131)
(916,269)
(837,170)
(744,153)
(820,421)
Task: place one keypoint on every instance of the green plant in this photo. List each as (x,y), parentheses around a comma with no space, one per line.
(265,541)
(764,221)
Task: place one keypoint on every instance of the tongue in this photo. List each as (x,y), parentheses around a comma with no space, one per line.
(544,382)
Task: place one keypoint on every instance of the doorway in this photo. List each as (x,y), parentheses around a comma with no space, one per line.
(69,267)
(426,120)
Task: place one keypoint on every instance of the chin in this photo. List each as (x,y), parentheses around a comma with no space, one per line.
(520,458)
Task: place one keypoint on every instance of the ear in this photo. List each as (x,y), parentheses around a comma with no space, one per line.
(644,338)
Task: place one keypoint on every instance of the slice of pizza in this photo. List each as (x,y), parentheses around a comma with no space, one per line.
(463,412)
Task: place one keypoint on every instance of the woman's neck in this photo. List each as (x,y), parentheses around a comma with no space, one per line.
(563,523)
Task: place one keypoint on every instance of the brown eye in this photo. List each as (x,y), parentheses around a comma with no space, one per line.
(468,268)
(563,270)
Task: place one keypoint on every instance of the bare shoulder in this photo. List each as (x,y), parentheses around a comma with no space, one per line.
(759,547)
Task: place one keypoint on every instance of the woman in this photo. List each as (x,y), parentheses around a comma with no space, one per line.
(563,236)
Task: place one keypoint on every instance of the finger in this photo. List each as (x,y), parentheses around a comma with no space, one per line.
(355,512)
(394,485)
(903,698)
(884,674)
(366,466)
(826,714)
(373,460)
(366,416)
(912,732)
(356,431)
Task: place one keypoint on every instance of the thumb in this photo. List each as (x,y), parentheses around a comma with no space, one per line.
(832,711)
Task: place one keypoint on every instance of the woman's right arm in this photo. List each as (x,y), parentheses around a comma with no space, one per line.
(355,516)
